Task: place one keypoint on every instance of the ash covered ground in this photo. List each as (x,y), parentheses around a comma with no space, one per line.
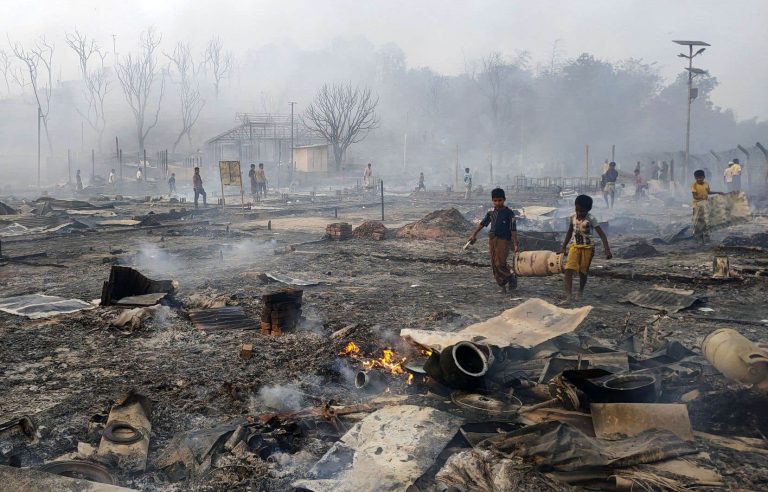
(67,371)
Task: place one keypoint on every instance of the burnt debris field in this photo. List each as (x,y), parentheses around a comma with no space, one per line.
(301,342)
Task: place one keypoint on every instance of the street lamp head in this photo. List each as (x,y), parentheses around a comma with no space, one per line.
(696,71)
(691,43)
(700,51)
(682,56)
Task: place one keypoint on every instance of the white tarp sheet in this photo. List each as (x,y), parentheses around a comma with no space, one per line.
(36,306)
(533,322)
(387,450)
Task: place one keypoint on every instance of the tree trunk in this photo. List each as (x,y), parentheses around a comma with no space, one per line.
(141,145)
(338,155)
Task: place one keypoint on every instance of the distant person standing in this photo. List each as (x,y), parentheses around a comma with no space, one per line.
(112,179)
(261,181)
(252,179)
(609,183)
(368,176)
(732,176)
(467,183)
(421,186)
(172,183)
(78,181)
(640,184)
(664,173)
(197,187)
(139,175)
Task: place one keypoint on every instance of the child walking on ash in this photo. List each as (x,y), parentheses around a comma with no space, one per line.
(501,238)
(580,227)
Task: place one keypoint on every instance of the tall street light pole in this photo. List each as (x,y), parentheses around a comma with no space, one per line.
(691,93)
(39,117)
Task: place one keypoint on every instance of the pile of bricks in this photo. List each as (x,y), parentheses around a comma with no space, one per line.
(281,311)
(339,231)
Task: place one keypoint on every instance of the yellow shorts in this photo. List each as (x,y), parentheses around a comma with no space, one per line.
(579,258)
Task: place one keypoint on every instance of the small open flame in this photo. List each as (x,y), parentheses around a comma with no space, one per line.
(388,360)
(351,350)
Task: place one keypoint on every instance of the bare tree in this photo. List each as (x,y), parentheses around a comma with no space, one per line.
(6,66)
(343,115)
(138,76)
(95,81)
(219,62)
(189,93)
(38,61)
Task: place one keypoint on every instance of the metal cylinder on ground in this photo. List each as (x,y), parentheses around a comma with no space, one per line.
(735,356)
(464,364)
(538,263)
(369,381)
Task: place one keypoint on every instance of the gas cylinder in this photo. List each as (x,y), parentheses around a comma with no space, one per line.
(538,263)
(735,356)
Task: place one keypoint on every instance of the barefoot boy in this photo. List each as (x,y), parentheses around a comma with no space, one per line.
(581,226)
(700,191)
(502,236)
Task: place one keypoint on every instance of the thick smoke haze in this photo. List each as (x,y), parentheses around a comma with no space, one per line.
(522,85)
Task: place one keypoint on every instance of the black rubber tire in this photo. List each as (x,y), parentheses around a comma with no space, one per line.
(109,433)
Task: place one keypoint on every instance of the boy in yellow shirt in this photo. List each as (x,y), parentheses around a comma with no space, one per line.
(580,227)
(700,191)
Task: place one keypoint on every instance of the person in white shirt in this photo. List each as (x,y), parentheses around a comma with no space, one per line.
(467,183)
(139,175)
(368,176)
(732,176)
(112,179)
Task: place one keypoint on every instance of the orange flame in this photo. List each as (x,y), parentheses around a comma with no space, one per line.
(410,379)
(351,349)
(387,361)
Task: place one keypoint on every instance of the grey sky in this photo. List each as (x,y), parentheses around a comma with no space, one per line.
(441,34)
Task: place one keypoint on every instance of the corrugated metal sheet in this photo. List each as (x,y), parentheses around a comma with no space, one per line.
(661,300)
(226,318)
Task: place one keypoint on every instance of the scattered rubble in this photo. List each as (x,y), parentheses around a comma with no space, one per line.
(640,249)
(371,229)
(479,391)
(439,224)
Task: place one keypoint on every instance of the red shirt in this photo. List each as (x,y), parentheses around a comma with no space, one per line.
(197,182)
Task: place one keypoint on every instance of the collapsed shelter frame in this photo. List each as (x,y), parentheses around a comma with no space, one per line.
(260,137)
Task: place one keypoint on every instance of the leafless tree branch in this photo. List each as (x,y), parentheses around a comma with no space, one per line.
(95,81)
(219,62)
(39,56)
(138,74)
(189,93)
(343,115)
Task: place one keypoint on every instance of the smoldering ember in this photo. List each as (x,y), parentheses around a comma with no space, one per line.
(293,258)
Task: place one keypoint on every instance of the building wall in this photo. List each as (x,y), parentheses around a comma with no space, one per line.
(311,159)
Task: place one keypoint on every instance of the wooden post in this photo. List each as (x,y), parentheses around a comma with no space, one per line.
(671,170)
(222,185)
(382,200)
(69,166)
(145,164)
(613,153)
(93,164)
(456,170)
(120,161)
(490,166)
(586,162)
